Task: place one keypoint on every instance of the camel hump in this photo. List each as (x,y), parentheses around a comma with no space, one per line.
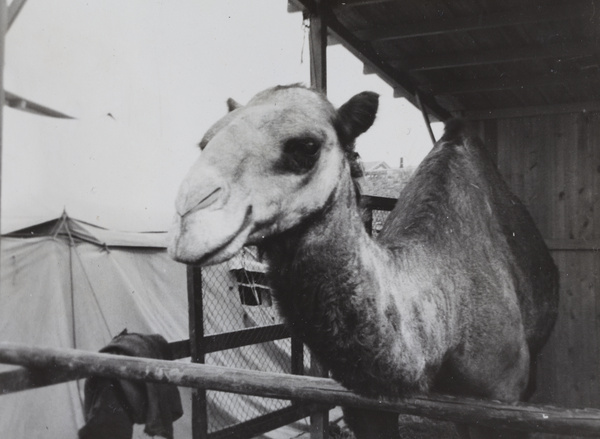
(454,130)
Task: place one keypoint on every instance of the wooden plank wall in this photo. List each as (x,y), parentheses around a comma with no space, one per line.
(552,162)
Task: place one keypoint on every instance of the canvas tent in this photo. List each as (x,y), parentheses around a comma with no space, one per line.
(66,283)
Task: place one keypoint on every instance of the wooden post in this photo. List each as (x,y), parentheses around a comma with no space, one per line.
(297,356)
(197,351)
(318,48)
(319,418)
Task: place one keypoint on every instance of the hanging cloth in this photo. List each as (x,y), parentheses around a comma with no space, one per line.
(113,406)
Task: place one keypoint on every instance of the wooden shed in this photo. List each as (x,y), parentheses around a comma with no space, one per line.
(526,73)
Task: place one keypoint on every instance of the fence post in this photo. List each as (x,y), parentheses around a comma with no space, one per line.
(197,351)
(319,416)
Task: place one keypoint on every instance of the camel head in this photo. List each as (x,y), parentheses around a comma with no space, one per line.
(264,168)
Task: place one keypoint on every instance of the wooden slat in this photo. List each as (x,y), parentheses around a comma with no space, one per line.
(464,24)
(558,161)
(516,112)
(495,56)
(232,340)
(351,3)
(244,337)
(501,84)
(262,424)
(583,422)
(574,244)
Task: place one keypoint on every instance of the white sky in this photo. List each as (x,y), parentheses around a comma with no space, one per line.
(163,69)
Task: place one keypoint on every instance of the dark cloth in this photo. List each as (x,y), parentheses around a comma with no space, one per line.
(113,406)
(105,415)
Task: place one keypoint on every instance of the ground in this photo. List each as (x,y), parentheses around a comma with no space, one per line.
(411,427)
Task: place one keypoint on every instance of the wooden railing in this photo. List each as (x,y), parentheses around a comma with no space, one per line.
(524,417)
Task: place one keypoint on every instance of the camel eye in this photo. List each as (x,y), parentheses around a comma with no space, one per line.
(299,154)
(302,145)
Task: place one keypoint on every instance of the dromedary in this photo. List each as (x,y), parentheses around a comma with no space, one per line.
(458,293)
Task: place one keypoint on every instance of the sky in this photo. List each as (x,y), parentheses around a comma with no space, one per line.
(144,79)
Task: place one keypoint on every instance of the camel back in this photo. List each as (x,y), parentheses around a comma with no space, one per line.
(455,202)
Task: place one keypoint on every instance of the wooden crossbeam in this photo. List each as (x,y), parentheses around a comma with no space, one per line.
(500,84)
(496,56)
(350,3)
(512,112)
(430,27)
(526,417)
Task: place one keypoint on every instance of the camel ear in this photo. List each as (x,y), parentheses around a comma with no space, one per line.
(356,116)
(232,104)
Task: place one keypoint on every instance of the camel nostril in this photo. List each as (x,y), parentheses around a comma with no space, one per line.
(189,203)
(209,199)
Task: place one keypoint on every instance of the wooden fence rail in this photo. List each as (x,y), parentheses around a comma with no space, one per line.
(582,422)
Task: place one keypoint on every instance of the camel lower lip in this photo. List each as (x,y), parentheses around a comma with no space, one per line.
(209,256)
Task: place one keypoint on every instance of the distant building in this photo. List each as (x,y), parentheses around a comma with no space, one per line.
(375,166)
(385,182)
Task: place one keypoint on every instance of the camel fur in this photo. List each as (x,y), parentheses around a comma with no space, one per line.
(457,294)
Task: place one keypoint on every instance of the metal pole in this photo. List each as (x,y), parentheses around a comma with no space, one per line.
(425,117)
(197,351)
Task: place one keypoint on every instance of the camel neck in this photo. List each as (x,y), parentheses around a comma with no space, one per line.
(332,284)
(332,244)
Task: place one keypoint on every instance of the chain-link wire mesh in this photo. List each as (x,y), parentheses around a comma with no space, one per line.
(234,300)
(379,217)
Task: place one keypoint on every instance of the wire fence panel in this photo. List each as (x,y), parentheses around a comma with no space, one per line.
(236,299)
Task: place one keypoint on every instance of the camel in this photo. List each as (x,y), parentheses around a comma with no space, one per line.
(457,294)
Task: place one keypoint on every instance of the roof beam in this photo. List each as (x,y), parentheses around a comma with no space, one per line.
(501,84)
(346,3)
(508,113)
(497,56)
(476,22)
(399,81)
